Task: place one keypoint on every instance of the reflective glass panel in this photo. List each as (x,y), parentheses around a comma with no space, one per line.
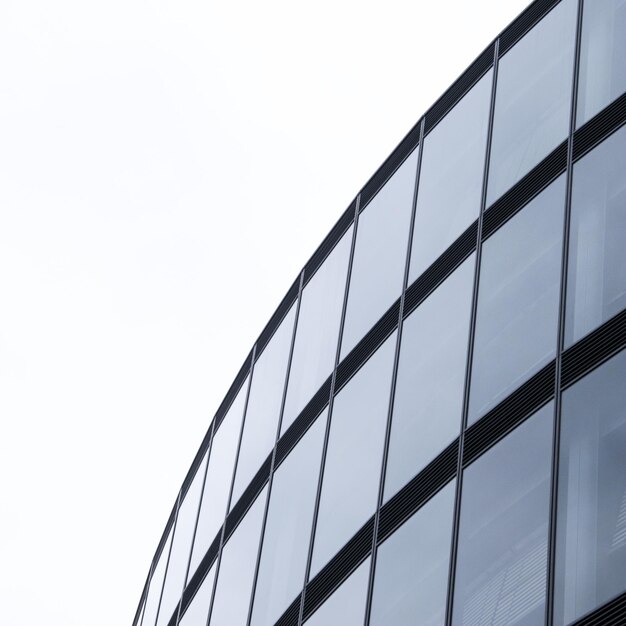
(503,534)
(266,396)
(347,604)
(431,377)
(236,571)
(533,97)
(451,177)
(354,455)
(596,272)
(602,74)
(288,527)
(380,254)
(156,585)
(518,300)
(412,567)
(181,546)
(218,478)
(591,520)
(315,347)
(197,612)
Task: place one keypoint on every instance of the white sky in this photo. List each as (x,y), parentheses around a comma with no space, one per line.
(166,168)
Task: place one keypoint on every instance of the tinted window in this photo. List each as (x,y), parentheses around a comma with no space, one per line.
(533,97)
(602,56)
(451,177)
(156,585)
(591,520)
(315,348)
(518,300)
(379,254)
(412,567)
(266,396)
(288,527)
(197,612)
(353,459)
(596,273)
(503,535)
(431,378)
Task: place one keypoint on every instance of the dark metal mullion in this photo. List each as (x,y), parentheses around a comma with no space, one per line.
(330,406)
(392,391)
(218,559)
(145,593)
(278,427)
(470,346)
(550,577)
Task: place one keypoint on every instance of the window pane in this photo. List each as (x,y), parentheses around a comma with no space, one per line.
(602,56)
(288,528)
(379,254)
(236,571)
(412,567)
(266,396)
(503,535)
(451,177)
(354,456)
(347,605)
(315,347)
(431,377)
(518,300)
(591,521)
(218,478)
(181,546)
(533,97)
(197,612)
(596,274)
(156,585)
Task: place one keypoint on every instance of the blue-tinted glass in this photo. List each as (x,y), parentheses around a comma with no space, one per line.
(431,375)
(197,612)
(518,300)
(346,607)
(596,273)
(156,585)
(315,347)
(591,520)
(451,177)
(602,74)
(379,254)
(503,535)
(412,567)
(181,546)
(236,570)
(218,479)
(533,98)
(354,455)
(288,527)
(266,396)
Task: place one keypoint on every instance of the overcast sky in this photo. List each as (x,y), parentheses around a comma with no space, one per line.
(166,168)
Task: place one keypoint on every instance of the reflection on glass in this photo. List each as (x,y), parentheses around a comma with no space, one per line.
(380,254)
(596,273)
(315,347)
(602,74)
(236,570)
(181,546)
(451,177)
(197,612)
(503,534)
(533,98)
(354,455)
(518,300)
(347,604)
(431,376)
(288,527)
(156,585)
(266,396)
(412,567)
(218,478)
(591,520)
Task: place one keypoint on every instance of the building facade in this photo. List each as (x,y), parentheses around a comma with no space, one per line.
(431,429)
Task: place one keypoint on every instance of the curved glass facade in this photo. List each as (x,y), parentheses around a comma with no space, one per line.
(431,429)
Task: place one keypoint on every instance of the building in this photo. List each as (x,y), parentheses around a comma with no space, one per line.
(431,429)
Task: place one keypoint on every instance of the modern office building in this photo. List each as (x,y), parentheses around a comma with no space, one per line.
(431,429)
